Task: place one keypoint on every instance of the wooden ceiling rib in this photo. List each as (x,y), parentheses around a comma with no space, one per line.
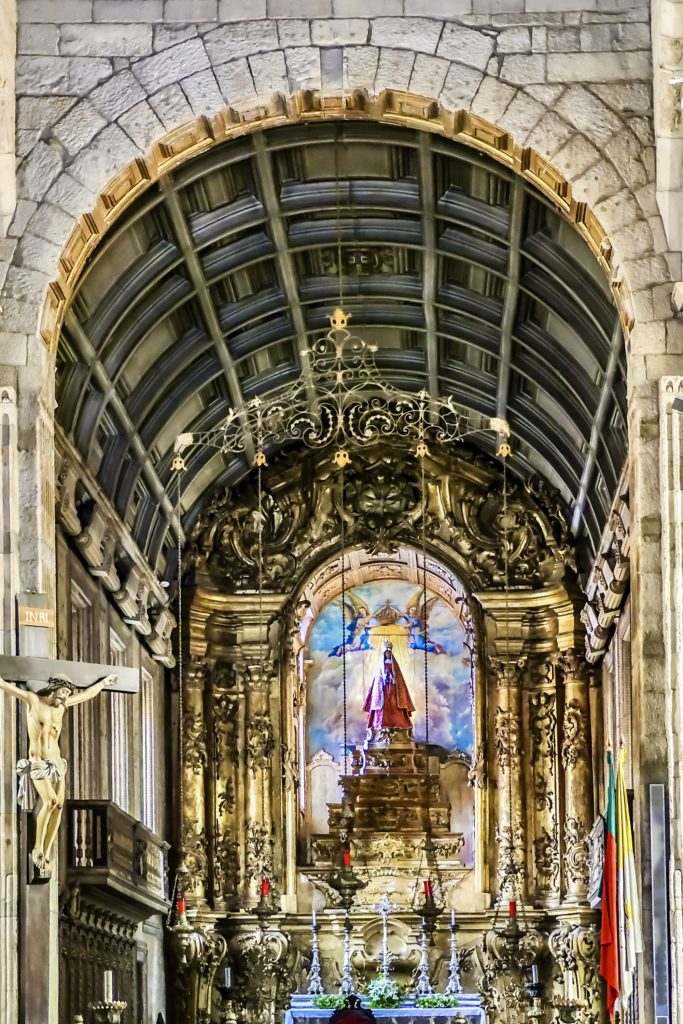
(210,285)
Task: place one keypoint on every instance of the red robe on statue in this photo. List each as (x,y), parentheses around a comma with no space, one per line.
(388,703)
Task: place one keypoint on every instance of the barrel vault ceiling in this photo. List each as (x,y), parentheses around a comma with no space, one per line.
(469,282)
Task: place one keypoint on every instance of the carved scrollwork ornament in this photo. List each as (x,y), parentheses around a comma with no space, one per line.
(194,744)
(383,509)
(576,855)
(510,845)
(574,734)
(543,723)
(260,741)
(508,739)
(547,856)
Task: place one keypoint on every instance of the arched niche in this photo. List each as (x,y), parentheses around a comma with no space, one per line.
(387,592)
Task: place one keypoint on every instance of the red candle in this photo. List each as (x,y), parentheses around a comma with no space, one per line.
(513,908)
(265,887)
(346,859)
(428,888)
(181,905)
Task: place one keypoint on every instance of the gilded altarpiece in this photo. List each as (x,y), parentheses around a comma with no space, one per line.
(528,772)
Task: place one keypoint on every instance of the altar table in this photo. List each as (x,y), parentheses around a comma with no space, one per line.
(302,1010)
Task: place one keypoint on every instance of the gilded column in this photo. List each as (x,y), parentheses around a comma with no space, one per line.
(510,831)
(578,780)
(193,771)
(259,748)
(543,794)
(224,785)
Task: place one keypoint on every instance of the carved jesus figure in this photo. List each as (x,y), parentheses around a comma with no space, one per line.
(44,771)
(388,703)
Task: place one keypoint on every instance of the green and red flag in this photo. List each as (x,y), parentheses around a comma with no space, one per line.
(630,934)
(609,926)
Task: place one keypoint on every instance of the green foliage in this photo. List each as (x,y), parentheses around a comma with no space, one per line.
(329,1002)
(436,1000)
(383,993)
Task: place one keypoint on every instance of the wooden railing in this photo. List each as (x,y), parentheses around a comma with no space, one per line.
(108,849)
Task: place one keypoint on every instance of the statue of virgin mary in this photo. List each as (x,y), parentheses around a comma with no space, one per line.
(388,703)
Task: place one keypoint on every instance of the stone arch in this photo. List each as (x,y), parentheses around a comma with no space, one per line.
(566,107)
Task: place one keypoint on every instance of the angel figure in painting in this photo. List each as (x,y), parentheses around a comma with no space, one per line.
(416,615)
(388,703)
(358,623)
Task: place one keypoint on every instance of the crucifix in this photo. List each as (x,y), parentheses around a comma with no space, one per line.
(384,908)
(52,687)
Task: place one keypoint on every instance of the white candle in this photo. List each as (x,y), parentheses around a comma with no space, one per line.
(534,974)
(314,918)
(109,986)
(452,919)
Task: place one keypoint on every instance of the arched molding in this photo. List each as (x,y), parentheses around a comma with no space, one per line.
(194,138)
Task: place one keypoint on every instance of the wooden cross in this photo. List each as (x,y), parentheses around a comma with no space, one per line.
(35,672)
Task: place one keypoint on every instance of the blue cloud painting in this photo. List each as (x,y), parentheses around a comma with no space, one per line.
(375,612)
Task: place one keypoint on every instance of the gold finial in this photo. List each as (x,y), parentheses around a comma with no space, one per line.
(341,458)
(504,449)
(421,450)
(339,319)
(178,463)
(260,459)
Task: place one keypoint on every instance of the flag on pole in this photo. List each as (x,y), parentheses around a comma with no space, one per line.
(628,905)
(609,935)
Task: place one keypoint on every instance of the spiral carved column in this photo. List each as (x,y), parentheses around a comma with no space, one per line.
(578,781)
(544,795)
(510,832)
(192,811)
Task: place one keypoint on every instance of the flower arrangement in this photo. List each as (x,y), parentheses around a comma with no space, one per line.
(436,1000)
(383,993)
(329,1002)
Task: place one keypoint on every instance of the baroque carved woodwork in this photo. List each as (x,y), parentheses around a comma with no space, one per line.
(383,508)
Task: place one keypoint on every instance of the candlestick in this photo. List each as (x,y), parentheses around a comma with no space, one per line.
(347,987)
(108,987)
(424,985)
(453,988)
(315,986)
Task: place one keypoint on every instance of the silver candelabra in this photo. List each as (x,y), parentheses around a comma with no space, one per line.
(347,987)
(424,985)
(454,987)
(315,986)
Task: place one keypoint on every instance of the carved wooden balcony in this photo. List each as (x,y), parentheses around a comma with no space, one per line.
(110,852)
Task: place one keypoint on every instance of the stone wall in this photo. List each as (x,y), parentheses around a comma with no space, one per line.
(97,90)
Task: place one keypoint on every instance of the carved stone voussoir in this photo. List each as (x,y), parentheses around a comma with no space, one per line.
(383,508)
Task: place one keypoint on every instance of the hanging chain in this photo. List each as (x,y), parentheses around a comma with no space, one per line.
(508,680)
(338,197)
(262,638)
(181,709)
(343,583)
